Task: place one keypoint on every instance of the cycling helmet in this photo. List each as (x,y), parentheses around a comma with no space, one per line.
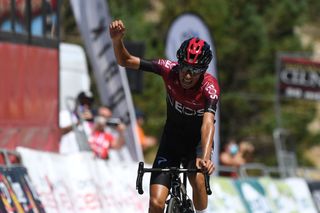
(195,54)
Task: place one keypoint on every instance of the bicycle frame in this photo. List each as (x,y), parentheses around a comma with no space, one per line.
(178,188)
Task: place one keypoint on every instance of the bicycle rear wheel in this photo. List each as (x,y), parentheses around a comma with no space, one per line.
(173,206)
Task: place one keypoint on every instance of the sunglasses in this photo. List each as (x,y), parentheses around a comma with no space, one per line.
(193,70)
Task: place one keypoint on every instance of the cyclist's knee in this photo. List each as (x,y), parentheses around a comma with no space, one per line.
(156,205)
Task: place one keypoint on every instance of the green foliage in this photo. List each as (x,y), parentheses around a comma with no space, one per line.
(247,36)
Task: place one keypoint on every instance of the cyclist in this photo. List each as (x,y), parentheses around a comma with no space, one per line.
(192,96)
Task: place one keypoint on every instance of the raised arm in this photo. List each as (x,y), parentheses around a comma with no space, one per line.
(124,58)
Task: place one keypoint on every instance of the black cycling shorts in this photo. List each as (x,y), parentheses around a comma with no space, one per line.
(173,151)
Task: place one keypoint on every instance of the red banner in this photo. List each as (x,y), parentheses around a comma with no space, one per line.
(29,96)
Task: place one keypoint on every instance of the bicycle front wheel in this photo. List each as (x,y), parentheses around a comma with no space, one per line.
(173,206)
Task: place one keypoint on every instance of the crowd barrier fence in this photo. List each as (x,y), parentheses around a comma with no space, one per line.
(82,183)
(17,194)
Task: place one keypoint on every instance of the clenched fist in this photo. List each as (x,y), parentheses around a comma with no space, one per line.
(116,29)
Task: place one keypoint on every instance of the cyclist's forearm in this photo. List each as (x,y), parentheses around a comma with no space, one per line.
(124,58)
(207,133)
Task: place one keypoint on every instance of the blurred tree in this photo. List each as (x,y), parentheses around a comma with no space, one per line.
(247,36)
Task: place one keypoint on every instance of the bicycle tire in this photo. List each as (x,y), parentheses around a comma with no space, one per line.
(173,206)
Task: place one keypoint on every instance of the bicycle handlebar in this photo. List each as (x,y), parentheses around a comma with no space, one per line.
(139,178)
(142,170)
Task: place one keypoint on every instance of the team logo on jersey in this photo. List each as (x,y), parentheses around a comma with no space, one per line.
(166,63)
(212,91)
(161,160)
(184,109)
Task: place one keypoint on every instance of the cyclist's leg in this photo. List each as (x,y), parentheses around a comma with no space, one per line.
(160,182)
(200,197)
(158,197)
(199,194)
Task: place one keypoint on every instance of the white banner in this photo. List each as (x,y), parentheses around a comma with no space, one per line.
(225,197)
(93,21)
(301,194)
(183,27)
(81,183)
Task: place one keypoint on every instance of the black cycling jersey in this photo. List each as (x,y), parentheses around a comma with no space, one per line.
(185,109)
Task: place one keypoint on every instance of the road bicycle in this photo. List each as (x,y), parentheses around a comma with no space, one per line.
(179,202)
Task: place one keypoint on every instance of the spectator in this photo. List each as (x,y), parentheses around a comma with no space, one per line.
(229,158)
(105,112)
(101,141)
(235,155)
(84,106)
(76,124)
(68,141)
(246,150)
(112,124)
(146,141)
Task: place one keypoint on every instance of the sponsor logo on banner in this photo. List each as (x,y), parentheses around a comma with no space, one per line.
(279,194)
(253,195)
(314,187)
(93,21)
(301,194)
(299,78)
(183,27)
(17,193)
(226,197)
(8,197)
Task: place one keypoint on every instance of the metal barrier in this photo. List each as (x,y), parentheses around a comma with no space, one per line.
(20,194)
(308,173)
(259,169)
(10,157)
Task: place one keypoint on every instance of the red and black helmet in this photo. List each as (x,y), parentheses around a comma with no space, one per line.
(195,53)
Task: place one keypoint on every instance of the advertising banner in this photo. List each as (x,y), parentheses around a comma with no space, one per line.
(24,190)
(280,195)
(16,192)
(81,183)
(8,197)
(253,195)
(183,27)
(299,78)
(314,188)
(93,20)
(301,194)
(225,196)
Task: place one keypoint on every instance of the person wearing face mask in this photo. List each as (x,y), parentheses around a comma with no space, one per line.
(230,157)
(233,149)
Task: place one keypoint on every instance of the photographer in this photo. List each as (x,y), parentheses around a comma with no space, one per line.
(102,140)
(84,106)
(113,125)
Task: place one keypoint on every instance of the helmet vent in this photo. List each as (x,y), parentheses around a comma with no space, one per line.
(194,50)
